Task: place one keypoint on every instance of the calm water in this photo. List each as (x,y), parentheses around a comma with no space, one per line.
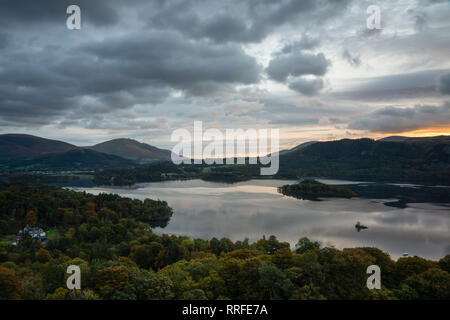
(254,208)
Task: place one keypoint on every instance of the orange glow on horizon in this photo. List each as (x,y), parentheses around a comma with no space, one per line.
(426,132)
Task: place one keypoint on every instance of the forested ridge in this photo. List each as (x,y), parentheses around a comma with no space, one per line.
(111,239)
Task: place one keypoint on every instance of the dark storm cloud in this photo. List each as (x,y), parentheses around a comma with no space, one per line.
(444,84)
(307,87)
(395,120)
(298,64)
(294,61)
(190,59)
(3,40)
(239,21)
(170,59)
(117,73)
(25,12)
(51,75)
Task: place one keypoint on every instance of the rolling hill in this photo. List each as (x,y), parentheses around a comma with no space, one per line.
(31,153)
(131,149)
(23,146)
(394,139)
(414,159)
(296,148)
(429,140)
(77,159)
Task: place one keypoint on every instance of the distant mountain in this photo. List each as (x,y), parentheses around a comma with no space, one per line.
(27,152)
(131,149)
(299,147)
(431,140)
(394,139)
(23,146)
(363,149)
(77,159)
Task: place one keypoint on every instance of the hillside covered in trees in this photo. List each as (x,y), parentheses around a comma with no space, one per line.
(422,160)
(111,240)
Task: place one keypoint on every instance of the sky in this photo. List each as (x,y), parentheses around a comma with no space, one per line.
(142,69)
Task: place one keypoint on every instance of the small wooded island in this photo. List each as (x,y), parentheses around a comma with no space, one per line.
(310,189)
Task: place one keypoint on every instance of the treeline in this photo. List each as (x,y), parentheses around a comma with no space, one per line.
(110,239)
(42,178)
(162,171)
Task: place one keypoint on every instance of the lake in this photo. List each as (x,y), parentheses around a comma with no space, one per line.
(254,208)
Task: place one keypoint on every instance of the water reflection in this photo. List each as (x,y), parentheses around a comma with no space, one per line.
(254,208)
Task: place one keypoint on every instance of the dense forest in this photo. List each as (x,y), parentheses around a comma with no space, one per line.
(111,239)
(168,171)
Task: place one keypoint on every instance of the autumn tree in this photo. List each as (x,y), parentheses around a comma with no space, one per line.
(283,258)
(31,218)
(90,209)
(33,287)
(43,255)
(111,279)
(11,287)
(406,267)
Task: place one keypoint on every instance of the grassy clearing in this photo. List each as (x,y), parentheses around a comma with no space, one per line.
(51,234)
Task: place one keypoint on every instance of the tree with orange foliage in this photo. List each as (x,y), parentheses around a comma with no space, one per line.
(91,209)
(112,279)
(11,286)
(43,255)
(31,218)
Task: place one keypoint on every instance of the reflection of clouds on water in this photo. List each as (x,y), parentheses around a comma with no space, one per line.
(401,216)
(254,208)
(447,250)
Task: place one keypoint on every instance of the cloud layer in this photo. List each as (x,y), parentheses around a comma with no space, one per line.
(143,68)
(394,119)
